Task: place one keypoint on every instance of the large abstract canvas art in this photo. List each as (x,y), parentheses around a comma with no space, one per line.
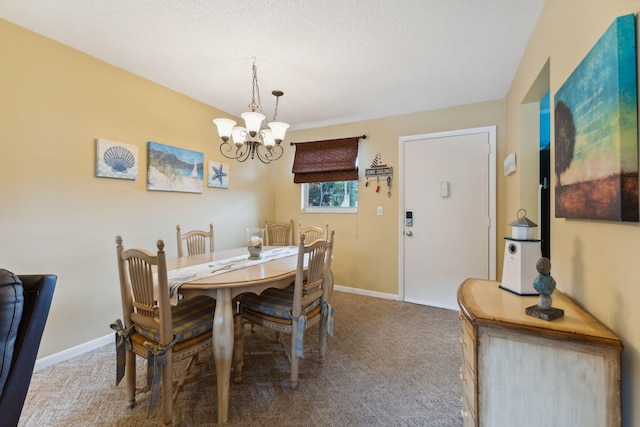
(174,169)
(596,131)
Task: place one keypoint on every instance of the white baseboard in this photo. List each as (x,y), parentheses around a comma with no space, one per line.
(366,292)
(107,339)
(72,352)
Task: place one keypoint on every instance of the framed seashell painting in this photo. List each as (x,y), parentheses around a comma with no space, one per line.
(116,160)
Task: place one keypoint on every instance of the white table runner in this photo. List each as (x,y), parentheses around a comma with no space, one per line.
(200,271)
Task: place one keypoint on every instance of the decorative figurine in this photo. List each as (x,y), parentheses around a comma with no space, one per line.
(544,284)
(255,238)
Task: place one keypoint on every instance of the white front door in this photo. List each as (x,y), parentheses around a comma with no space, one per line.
(448,188)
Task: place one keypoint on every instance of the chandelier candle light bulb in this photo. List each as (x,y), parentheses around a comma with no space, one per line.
(267,138)
(253,122)
(225,127)
(238,133)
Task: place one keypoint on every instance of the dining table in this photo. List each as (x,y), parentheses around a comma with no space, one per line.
(231,274)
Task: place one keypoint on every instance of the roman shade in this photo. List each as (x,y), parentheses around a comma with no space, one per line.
(327,160)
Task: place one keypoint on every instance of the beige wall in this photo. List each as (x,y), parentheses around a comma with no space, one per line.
(57,101)
(595,262)
(58,217)
(366,249)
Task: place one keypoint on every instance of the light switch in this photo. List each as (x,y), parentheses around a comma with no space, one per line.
(380,211)
(444,189)
(510,164)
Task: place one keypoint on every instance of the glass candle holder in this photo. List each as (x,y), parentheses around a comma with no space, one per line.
(255,239)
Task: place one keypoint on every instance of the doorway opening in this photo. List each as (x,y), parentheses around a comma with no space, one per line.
(545,178)
(535,156)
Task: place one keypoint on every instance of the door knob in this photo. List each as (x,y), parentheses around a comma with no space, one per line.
(408,233)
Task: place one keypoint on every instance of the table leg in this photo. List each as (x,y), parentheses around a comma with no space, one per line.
(223,349)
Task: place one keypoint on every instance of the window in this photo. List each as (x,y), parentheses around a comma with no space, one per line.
(328,172)
(330,197)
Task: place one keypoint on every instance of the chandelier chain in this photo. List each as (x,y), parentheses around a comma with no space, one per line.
(275,113)
(255,90)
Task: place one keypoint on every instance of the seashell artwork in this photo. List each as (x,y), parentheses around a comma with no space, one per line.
(255,241)
(119,158)
(116,160)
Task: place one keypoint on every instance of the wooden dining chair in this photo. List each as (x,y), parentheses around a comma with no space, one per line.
(313,232)
(294,309)
(278,233)
(195,240)
(155,330)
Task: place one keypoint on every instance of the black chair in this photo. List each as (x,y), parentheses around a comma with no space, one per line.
(35,301)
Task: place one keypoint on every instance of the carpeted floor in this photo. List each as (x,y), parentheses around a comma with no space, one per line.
(389,363)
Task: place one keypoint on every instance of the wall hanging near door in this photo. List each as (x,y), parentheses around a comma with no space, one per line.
(596,131)
(379,174)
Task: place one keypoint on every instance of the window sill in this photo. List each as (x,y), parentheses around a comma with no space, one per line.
(330,210)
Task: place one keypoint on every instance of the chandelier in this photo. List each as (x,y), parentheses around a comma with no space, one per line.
(252,140)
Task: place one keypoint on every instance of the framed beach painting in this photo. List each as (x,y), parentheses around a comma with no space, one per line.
(596,131)
(116,160)
(218,175)
(174,169)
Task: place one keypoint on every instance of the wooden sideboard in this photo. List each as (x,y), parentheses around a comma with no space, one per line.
(518,370)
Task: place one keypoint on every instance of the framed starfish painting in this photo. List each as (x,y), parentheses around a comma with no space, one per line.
(218,175)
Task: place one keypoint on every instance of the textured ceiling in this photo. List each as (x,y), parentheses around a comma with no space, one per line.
(336,60)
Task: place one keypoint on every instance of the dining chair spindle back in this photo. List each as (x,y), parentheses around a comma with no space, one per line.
(195,241)
(278,233)
(313,232)
(154,329)
(294,309)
